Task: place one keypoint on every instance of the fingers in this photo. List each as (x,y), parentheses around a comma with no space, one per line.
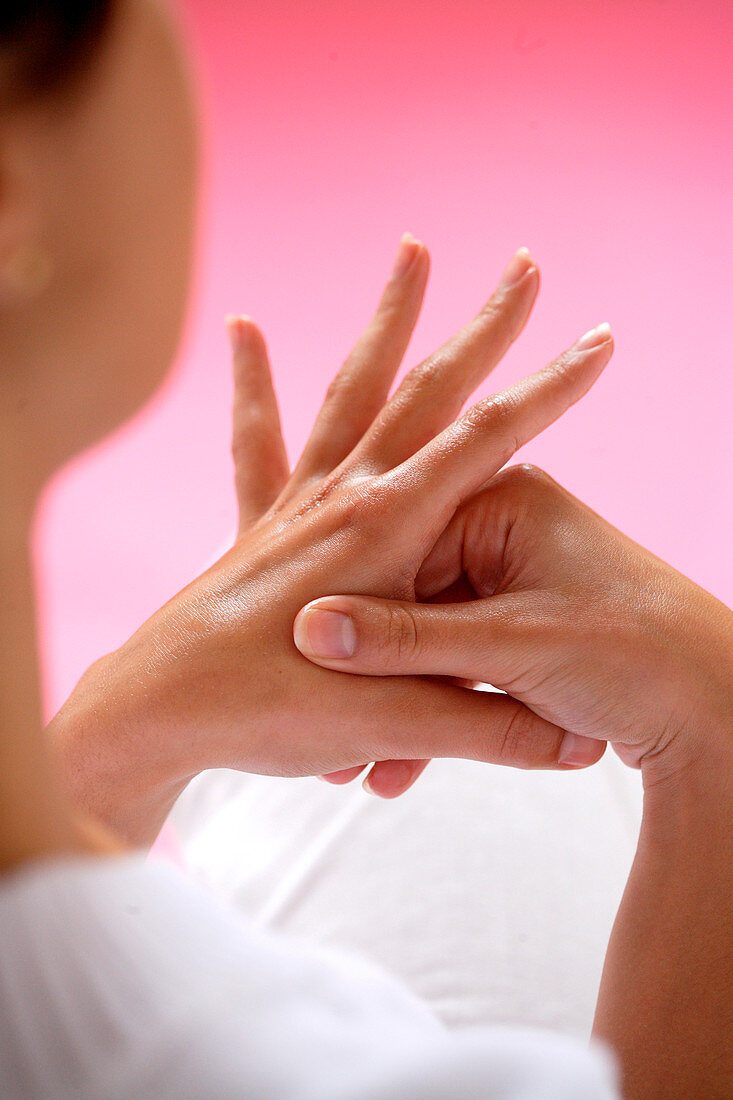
(433,393)
(390,778)
(484,641)
(261,466)
(360,388)
(464,458)
(387,778)
(422,719)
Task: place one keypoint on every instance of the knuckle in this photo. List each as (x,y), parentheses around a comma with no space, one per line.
(528,478)
(251,435)
(501,410)
(401,636)
(433,369)
(494,313)
(254,416)
(427,376)
(497,412)
(390,308)
(513,747)
(338,389)
(500,315)
(491,310)
(529,486)
(358,507)
(560,367)
(496,418)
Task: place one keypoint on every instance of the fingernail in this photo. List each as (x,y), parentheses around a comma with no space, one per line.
(594,338)
(516,269)
(367,785)
(325,634)
(406,253)
(577,751)
(236,332)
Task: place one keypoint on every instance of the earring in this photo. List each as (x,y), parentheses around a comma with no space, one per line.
(26,272)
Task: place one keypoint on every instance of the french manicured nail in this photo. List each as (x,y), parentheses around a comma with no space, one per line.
(367,785)
(577,751)
(594,338)
(328,634)
(516,269)
(406,253)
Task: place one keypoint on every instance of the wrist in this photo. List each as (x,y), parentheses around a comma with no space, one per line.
(699,756)
(688,637)
(698,736)
(664,1000)
(115,764)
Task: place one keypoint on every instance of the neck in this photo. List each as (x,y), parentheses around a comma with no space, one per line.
(33,817)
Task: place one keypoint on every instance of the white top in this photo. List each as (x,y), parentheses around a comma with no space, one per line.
(491,892)
(123,979)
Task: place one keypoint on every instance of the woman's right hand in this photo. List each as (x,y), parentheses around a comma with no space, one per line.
(563,612)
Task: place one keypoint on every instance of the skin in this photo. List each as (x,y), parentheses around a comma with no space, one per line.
(104,183)
(102,178)
(88,176)
(593,632)
(569,604)
(228,635)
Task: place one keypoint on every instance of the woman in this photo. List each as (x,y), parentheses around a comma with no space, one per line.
(119,978)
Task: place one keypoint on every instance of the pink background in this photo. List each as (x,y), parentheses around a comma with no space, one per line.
(597,133)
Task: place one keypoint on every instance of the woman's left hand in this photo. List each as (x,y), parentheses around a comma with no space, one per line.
(214,679)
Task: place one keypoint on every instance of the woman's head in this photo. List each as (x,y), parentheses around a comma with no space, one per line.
(46,43)
(97,190)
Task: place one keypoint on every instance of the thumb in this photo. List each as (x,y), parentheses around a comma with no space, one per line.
(397,638)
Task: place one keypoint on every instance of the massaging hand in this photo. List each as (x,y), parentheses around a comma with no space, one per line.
(213,679)
(559,609)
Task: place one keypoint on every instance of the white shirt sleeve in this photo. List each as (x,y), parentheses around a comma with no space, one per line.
(120,978)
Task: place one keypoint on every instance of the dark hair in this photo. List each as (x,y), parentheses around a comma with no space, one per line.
(46,43)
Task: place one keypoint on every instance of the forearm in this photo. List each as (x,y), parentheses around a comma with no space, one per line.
(114,766)
(666,997)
